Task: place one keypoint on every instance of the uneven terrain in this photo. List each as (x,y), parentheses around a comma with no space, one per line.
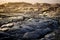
(24,21)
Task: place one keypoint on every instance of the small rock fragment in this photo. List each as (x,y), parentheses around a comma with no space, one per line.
(9,25)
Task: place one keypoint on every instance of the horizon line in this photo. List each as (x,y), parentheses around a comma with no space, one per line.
(28,2)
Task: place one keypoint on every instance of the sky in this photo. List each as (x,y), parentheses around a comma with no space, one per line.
(31,1)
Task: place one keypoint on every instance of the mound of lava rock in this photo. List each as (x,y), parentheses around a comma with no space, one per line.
(31,29)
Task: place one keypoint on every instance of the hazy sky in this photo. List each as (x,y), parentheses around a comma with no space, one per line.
(31,1)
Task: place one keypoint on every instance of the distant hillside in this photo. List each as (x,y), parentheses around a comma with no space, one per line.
(17,4)
(23,7)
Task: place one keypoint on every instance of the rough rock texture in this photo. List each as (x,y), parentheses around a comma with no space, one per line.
(42,24)
(30,29)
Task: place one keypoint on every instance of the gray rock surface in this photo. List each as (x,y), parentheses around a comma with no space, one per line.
(31,29)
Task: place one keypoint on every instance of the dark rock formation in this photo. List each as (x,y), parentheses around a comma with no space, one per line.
(30,29)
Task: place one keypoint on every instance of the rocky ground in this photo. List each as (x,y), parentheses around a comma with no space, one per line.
(29,27)
(33,25)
